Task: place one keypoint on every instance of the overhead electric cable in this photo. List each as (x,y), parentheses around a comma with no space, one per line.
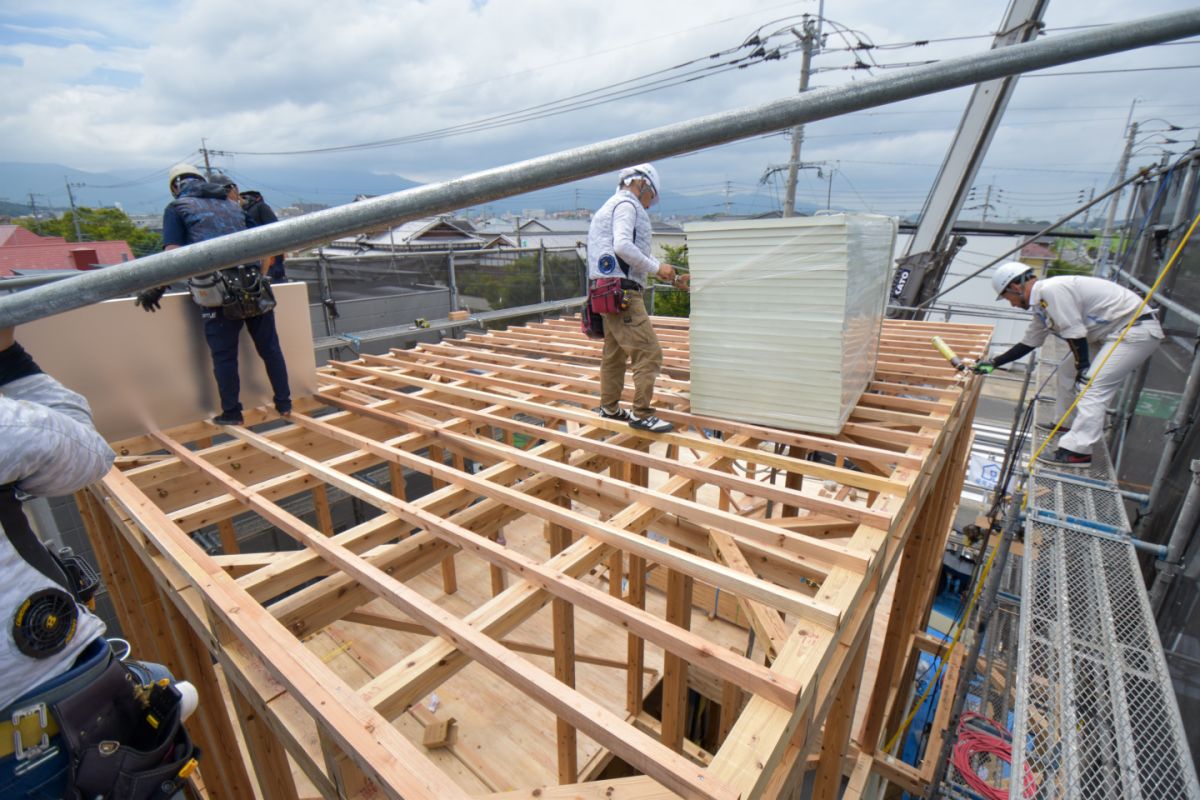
(653,81)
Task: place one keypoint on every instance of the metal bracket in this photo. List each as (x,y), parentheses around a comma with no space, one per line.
(22,752)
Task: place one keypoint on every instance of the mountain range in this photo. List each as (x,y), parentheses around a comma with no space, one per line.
(146,193)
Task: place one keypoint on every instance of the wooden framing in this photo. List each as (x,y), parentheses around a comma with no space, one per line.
(449,589)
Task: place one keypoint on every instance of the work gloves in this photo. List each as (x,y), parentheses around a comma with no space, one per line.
(148,299)
(985,367)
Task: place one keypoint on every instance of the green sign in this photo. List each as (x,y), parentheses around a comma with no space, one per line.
(1153,403)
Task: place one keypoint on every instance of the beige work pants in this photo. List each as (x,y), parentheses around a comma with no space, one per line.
(629,336)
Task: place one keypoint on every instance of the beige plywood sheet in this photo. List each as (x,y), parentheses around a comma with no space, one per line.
(143,371)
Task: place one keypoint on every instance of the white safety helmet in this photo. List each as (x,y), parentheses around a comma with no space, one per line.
(182,171)
(1005,274)
(646,172)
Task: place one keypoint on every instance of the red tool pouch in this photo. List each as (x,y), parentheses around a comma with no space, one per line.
(607,296)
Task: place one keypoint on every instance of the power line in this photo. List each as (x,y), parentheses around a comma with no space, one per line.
(1109,71)
(653,81)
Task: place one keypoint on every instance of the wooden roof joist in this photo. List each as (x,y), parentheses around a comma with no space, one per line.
(520,587)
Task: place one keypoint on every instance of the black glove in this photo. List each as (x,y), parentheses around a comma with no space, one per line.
(985,367)
(1083,360)
(148,299)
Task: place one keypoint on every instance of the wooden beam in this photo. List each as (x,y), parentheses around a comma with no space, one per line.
(730,580)
(674,687)
(398,768)
(754,677)
(563,626)
(635,748)
(765,620)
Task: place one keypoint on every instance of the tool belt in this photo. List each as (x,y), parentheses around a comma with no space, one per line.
(240,292)
(122,741)
(607,295)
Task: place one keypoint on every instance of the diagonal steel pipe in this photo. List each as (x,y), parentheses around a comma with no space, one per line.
(586,161)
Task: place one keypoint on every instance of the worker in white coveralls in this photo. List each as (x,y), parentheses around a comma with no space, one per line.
(75,720)
(1089,313)
(619,247)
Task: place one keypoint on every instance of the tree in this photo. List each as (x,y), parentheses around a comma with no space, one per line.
(97,225)
(669,302)
(516,284)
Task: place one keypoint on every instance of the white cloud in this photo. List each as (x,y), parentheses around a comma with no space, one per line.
(276,75)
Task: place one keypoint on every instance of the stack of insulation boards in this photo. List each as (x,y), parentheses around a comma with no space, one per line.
(786,316)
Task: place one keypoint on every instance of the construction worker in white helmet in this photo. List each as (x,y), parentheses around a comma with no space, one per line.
(619,248)
(1089,314)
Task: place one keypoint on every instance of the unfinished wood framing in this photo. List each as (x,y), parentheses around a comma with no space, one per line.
(563,575)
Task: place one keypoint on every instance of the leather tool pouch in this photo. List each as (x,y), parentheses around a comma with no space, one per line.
(117,749)
(591,324)
(247,292)
(607,296)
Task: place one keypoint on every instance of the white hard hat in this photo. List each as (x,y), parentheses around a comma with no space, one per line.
(179,171)
(646,172)
(1005,274)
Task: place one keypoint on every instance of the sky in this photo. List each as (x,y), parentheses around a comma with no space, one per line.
(133,87)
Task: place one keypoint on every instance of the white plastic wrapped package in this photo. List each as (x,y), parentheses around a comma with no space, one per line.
(786,315)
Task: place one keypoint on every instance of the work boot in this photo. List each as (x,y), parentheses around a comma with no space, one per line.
(228,418)
(650,424)
(1062,457)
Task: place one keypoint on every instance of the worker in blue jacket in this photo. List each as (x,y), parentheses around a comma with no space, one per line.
(200,211)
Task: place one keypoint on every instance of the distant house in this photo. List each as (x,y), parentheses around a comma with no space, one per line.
(22,252)
(1038,256)
(561,234)
(431,233)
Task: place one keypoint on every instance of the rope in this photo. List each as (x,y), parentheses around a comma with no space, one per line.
(946,659)
(980,735)
(1132,318)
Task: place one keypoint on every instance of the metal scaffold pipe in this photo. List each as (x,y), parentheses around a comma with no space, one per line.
(582,162)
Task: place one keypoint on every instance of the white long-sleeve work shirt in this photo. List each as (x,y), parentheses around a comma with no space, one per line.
(621,228)
(1078,307)
(48,447)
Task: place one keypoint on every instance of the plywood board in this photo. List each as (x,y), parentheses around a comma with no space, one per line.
(142,371)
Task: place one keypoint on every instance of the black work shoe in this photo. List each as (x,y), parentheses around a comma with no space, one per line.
(1062,457)
(650,424)
(228,419)
(284,411)
(1046,427)
(620,415)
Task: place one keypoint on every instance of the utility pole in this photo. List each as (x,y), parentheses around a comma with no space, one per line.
(987,203)
(204,152)
(1101,269)
(809,39)
(829,191)
(728,204)
(33,213)
(74,211)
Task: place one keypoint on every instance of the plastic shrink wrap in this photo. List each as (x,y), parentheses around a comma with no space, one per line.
(786,315)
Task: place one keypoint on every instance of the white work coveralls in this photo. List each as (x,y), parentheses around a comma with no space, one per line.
(1078,307)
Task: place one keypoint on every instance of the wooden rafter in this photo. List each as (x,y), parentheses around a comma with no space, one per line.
(502,425)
